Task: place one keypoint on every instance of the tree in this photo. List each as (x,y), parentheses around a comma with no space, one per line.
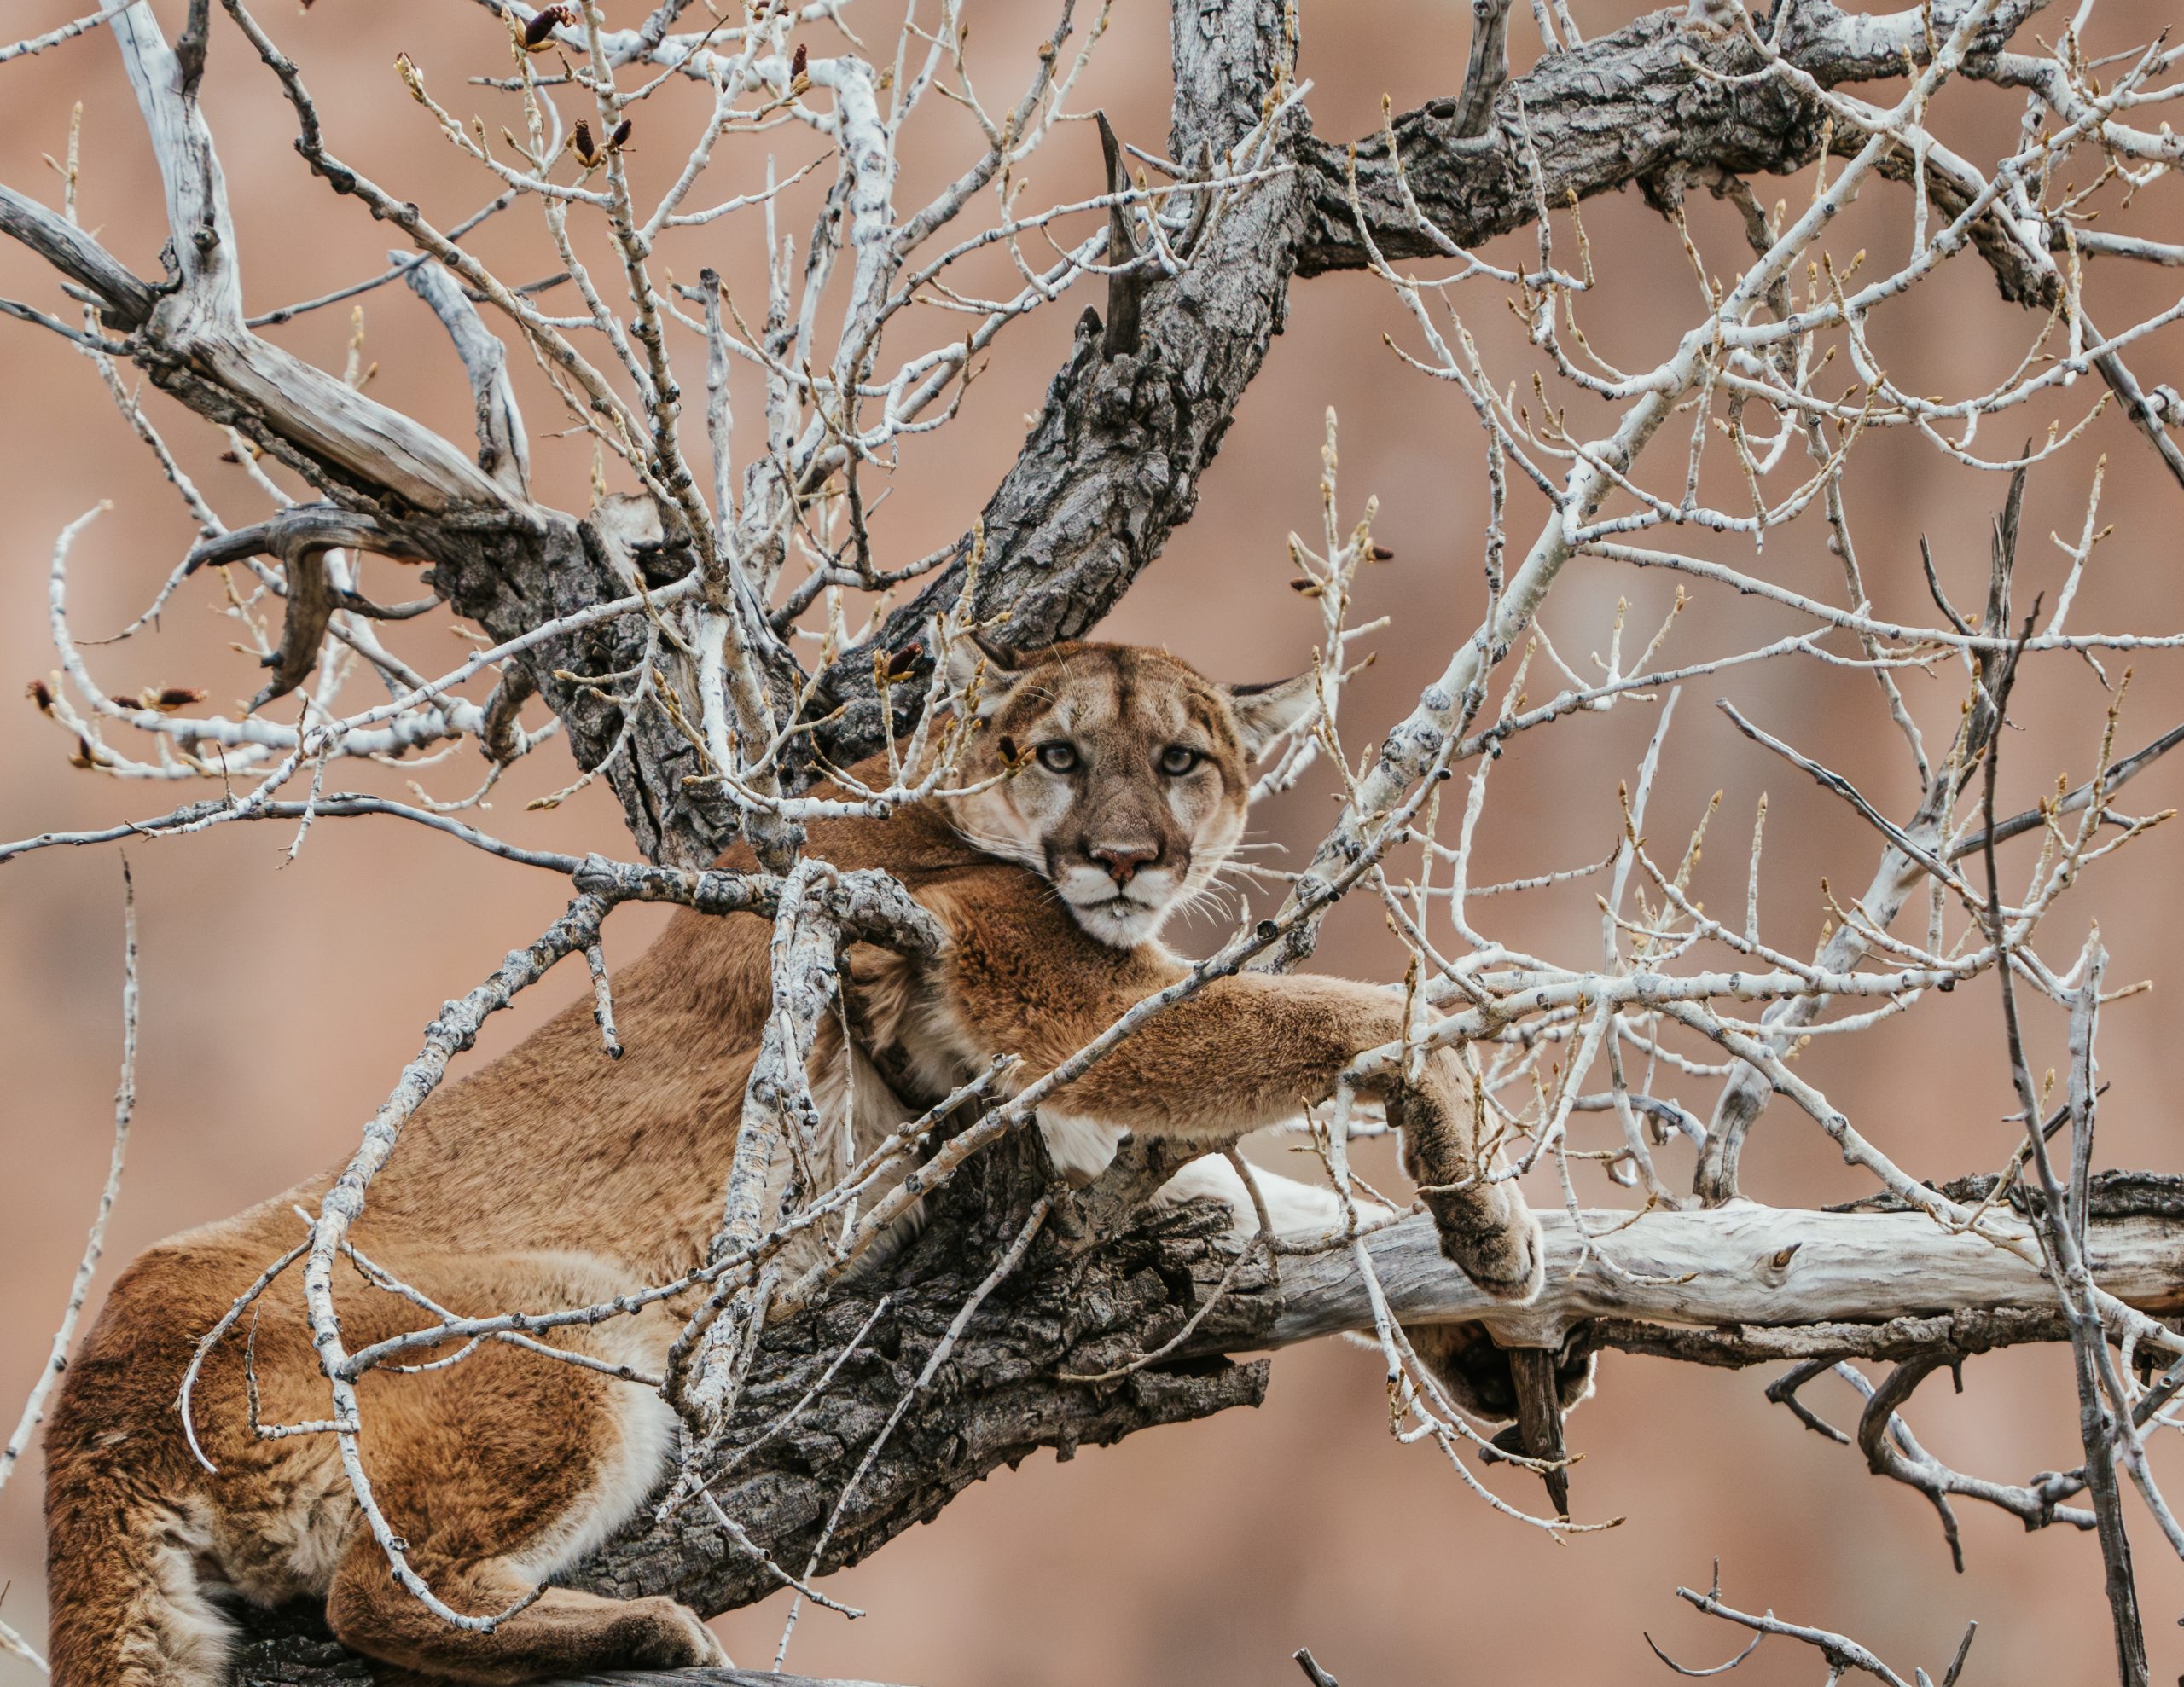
(695,640)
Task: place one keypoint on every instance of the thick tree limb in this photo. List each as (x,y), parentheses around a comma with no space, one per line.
(126,300)
(1741,1264)
(1622,109)
(1074,1306)
(1737,1285)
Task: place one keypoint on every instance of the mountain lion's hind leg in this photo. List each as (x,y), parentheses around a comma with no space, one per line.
(1477,1374)
(564,1633)
(501,1472)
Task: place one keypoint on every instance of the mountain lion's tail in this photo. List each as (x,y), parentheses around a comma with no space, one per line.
(127,1609)
(124,1536)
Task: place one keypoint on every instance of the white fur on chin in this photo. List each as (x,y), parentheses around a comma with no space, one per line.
(1117,918)
(1120,922)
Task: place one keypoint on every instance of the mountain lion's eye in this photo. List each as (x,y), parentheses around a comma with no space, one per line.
(1058,758)
(1177,759)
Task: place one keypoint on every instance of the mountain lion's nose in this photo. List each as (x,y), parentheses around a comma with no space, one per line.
(1122,860)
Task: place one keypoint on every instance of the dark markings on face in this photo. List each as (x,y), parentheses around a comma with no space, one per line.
(1132,786)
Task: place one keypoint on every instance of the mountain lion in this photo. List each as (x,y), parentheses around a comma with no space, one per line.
(553,1177)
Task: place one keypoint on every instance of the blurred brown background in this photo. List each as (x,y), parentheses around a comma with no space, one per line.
(279,1003)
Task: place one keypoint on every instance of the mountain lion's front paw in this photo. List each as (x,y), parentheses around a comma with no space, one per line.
(1486,1230)
(1490,1235)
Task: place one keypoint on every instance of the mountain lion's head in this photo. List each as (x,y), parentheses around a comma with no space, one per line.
(1131,773)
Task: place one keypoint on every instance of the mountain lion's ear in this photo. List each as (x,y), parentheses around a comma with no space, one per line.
(965,657)
(1264,713)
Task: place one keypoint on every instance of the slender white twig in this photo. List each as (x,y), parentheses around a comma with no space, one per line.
(79,1287)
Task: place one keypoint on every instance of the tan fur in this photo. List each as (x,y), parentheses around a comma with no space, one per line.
(554,1177)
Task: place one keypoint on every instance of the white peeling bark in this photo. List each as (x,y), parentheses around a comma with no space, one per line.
(503,447)
(1742,1263)
(200,325)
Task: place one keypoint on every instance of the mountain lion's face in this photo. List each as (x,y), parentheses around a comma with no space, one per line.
(1131,774)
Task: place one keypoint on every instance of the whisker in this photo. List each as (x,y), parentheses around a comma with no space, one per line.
(1255,878)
